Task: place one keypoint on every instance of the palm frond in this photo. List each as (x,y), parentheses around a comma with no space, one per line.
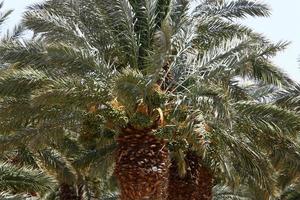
(291,192)
(11,120)
(10,196)
(24,157)
(24,179)
(162,11)
(15,34)
(54,27)
(120,17)
(265,71)
(4,15)
(284,121)
(212,31)
(261,92)
(179,14)
(225,193)
(58,165)
(110,196)
(56,57)
(289,98)
(93,157)
(18,139)
(53,195)
(33,138)
(270,49)
(249,162)
(70,92)
(233,9)
(145,25)
(20,82)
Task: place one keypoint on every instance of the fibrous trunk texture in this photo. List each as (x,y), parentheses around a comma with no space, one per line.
(195,185)
(67,192)
(142,166)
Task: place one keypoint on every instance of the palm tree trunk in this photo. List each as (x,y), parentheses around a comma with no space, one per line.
(197,183)
(142,166)
(67,192)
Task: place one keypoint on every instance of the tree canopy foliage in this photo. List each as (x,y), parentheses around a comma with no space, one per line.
(194,77)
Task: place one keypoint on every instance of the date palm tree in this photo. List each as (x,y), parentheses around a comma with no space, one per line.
(149,82)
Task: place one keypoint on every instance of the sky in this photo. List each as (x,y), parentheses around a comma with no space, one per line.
(281,26)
